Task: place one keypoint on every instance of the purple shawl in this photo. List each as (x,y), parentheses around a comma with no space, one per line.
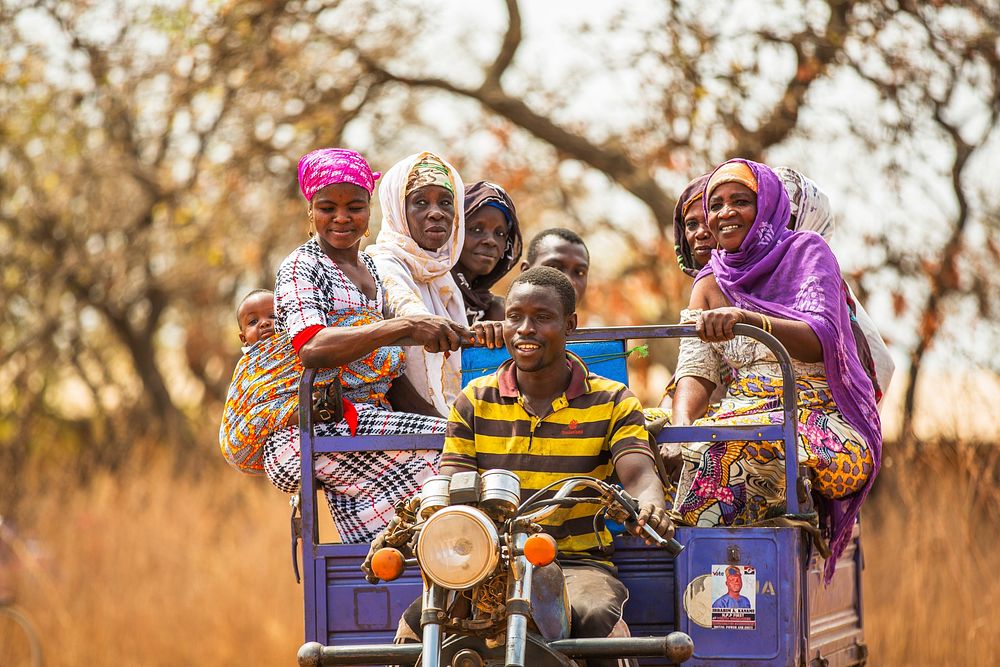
(794,275)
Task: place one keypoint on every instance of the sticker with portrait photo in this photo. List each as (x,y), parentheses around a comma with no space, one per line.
(734,597)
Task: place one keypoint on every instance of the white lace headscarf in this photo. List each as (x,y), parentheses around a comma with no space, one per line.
(419,281)
(810,206)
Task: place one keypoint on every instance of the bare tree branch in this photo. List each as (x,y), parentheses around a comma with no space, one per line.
(511,40)
(612,162)
(813,55)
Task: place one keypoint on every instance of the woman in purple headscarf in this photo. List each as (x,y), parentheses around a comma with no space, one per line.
(787,283)
(810,210)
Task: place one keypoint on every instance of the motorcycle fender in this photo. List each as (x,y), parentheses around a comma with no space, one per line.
(550,608)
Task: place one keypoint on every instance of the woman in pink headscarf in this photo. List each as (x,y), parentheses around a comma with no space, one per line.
(329,301)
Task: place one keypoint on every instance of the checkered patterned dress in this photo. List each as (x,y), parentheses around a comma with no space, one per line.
(361,487)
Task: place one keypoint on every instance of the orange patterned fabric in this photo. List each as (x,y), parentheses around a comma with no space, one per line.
(263,395)
(366,380)
(262,398)
(738,483)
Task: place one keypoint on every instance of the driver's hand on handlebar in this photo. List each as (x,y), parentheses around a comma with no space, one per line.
(656,518)
(488,334)
(439,334)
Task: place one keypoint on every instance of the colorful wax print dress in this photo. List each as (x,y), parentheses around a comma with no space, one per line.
(361,487)
(739,482)
(263,398)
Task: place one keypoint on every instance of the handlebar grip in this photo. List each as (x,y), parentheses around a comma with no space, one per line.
(672,546)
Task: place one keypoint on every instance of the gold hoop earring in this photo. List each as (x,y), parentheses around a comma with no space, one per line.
(368,233)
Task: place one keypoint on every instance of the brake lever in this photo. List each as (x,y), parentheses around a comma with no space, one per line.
(631,504)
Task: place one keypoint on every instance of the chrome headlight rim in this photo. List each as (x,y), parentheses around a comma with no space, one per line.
(477,520)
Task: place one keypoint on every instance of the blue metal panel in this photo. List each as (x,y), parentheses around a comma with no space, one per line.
(359,612)
(775,553)
(313,574)
(721,433)
(604,358)
(314,594)
(648,573)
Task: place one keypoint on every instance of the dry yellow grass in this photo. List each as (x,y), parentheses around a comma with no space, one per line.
(153,570)
(932,576)
(148,569)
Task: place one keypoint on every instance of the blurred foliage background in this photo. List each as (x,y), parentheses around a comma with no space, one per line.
(147,180)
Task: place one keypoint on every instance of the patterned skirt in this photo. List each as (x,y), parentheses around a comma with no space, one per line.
(739,482)
(361,487)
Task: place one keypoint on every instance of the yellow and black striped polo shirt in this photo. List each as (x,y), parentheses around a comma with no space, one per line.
(594,423)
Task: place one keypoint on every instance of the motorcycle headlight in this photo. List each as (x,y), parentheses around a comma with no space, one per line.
(458,547)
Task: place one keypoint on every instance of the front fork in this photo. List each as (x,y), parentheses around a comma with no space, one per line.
(434,600)
(518,605)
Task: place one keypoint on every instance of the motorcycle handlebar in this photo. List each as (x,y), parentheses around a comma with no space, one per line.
(623,498)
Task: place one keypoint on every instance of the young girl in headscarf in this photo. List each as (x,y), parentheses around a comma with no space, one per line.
(329,300)
(423,231)
(788,284)
(693,244)
(492,248)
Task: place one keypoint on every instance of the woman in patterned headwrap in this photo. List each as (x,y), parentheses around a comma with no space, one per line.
(788,284)
(329,300)
(693,242)
(423,231)
(809,206)
(492,248)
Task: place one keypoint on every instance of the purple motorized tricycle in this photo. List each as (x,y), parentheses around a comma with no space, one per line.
(748,596)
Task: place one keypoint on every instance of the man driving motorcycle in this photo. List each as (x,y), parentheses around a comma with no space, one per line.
(544,416)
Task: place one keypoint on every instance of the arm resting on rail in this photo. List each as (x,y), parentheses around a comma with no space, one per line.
(691,400)
(337,346)
(715,323)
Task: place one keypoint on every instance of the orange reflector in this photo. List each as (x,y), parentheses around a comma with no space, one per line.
(388,564)
(540,549)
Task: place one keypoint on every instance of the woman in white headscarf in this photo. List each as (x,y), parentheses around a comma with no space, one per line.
(423,231)
(811,211)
